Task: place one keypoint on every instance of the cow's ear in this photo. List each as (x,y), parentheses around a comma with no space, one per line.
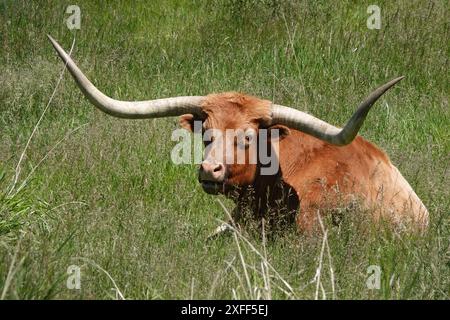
(278,131)
(187,122)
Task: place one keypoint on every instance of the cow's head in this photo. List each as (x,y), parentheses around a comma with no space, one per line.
(222,112)
(236,129)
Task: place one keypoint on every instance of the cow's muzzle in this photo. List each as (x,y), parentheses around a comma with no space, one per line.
(212,176)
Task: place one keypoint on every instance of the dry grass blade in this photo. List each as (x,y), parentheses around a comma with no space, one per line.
(12,270)
(22,156)
(239,235)
(121,296)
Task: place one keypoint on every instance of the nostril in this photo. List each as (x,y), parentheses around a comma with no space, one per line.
(219,167)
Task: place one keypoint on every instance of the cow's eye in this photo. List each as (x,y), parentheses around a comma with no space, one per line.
(243,142)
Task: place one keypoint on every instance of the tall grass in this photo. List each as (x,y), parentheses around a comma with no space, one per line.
(102,193)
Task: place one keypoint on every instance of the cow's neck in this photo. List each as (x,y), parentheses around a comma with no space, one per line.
(269,197)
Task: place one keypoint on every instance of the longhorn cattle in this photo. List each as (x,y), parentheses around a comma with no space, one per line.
(319,166)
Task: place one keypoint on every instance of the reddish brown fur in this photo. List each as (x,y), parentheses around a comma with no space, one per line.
(320,175)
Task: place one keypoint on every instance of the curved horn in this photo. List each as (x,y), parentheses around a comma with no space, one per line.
(324,131)
(129,109)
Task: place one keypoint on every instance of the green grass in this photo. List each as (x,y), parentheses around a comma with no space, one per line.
(108,195)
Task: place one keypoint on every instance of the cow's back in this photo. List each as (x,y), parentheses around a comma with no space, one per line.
(324,175)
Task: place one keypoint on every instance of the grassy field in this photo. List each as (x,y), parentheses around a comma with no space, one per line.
(102,193)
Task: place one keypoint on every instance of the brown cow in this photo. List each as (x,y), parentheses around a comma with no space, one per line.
(319,166)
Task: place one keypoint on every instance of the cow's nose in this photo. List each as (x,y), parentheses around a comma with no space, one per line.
(212,171)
